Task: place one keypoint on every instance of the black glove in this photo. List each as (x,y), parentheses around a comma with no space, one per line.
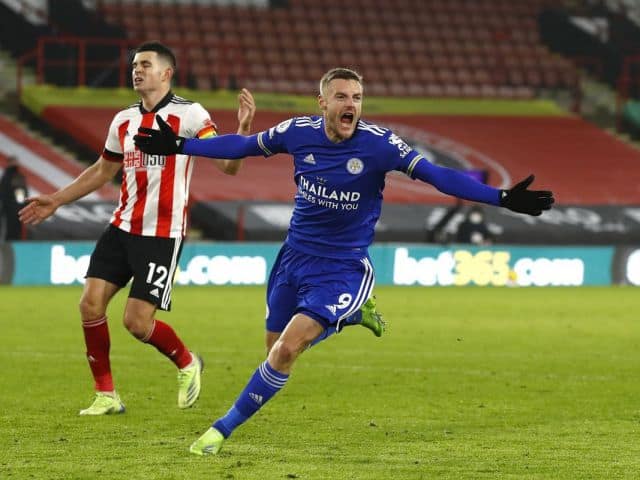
(521,200)
(159,142)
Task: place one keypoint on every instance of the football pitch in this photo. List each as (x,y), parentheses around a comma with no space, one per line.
(467,383)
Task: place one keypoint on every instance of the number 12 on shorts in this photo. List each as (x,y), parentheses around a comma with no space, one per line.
(159,272)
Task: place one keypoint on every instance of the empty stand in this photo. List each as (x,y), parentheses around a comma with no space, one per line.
(46,169)
(488,48)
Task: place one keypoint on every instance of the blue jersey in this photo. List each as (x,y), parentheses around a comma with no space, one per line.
(339,195)
(339,185)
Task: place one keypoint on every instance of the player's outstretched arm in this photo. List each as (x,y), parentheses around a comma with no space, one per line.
(452,182)
(246,112)
(165,142)
(43,206)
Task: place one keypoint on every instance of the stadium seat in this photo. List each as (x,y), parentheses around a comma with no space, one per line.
(445,42)
(204,83)
(533,78)
(469,90)
(488,91)
(434,90)
(482,76)
(516,77)
(378,89)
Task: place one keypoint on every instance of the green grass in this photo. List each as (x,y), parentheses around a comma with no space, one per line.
(37,97)
(467,384)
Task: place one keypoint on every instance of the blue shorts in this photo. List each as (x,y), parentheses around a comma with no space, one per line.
(325,289)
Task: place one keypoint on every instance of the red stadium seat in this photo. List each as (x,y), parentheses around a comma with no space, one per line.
(193,38)
(283,85)
(458,61)
(377,89)
(203,83)
(534,78)
(469,90)
(482,76)
(427,75)
(297,73)
(446,76)
(488,91)
(305,87)
(464,76)
(416,89)
(475,47)
(516,77)
(258,70)
(398,89)
(505,91)
(434,90)
(452,90)
(524,92)
(418,47)
(172,38)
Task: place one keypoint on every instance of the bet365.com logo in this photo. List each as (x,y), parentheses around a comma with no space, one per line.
(485,267)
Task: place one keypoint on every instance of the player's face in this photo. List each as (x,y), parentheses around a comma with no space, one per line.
(341,107)
(149,72)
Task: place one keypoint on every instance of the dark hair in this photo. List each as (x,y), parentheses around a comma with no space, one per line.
(162,51)
(341,73)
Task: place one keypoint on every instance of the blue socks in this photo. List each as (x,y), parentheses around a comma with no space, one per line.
(264,384)
(354,319)
(324,335)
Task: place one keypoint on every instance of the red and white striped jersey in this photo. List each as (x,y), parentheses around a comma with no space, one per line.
(155,188)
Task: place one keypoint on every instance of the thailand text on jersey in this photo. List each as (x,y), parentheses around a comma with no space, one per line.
(155,188)
(339,185)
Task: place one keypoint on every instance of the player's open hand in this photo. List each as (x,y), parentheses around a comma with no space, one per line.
(521,200)
(37,209)
(246,111)
(159,142)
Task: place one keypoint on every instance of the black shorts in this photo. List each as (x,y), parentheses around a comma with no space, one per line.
(150,261)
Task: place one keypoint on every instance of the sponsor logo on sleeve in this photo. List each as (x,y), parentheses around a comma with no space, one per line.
(400,144)
(284,126)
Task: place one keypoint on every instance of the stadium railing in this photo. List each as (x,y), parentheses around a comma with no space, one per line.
(73,56)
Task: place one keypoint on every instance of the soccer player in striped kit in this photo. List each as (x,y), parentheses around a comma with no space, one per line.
(323,274)
(144,238)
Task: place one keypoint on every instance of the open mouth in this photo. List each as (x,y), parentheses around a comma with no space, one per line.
(347,118)
(137,80)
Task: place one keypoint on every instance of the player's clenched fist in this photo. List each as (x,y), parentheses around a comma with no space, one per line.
(159,142)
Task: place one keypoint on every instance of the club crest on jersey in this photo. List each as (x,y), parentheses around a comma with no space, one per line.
(355,166)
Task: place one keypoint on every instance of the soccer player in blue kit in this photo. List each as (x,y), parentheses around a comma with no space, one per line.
(323,273)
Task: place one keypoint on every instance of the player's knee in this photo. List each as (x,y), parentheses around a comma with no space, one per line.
(90,309)
(137,326)
(283,354)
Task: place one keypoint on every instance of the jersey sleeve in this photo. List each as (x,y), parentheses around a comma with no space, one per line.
(277,139)
(198,123)
(113,147)
(448,181)
(398,154)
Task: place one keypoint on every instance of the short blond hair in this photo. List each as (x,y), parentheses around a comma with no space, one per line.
(341,73)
